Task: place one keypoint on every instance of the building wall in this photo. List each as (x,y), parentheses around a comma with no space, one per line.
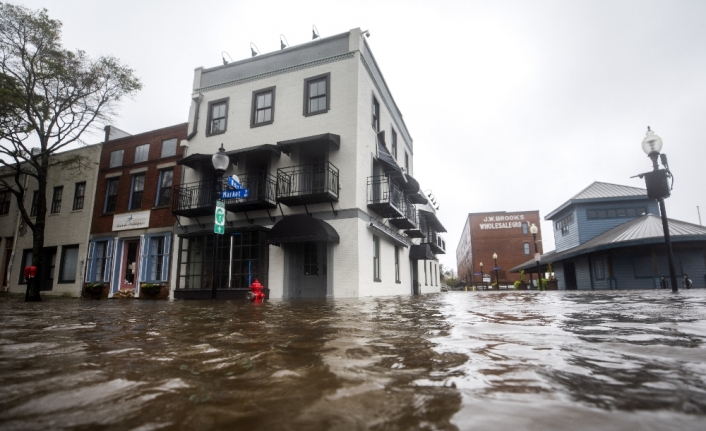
(583,273)
(464,256)
(500,232)
(559,275)
(8,228)
(67,227)
(591,228)
(160,216)
(566,240)
(688,258)
(354,80)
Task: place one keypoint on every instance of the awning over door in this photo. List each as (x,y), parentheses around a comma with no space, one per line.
(421,252)
(302,228)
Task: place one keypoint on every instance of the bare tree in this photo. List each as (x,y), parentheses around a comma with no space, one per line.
(50,96)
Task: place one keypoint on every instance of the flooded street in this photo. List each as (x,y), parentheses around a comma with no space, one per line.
(458,360)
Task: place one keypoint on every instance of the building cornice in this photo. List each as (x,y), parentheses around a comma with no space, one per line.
(278,72)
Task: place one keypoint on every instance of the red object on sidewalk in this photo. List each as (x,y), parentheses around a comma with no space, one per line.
(30,271)
(257,295)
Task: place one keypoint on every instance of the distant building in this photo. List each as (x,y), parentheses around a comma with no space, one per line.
(610,236)
(503,233)
(132,226)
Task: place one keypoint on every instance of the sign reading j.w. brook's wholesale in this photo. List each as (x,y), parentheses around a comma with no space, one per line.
(502,222)
(135,220)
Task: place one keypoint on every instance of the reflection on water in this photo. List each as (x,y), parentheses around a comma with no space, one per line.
(461,360)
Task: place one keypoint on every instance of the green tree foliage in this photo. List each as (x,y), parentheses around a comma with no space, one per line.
(49,97)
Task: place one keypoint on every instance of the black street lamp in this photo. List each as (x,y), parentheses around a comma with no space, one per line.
(497,280)
(481,275)
(533,231)
(220,163)
(658,188)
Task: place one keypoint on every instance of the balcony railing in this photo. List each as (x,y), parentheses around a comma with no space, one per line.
(436,242)
(193,199)
(385,197)
(198,199)
(261,187)
(409,218)
(307,184)
(421,230)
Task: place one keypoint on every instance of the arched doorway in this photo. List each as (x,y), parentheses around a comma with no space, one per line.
(308,255)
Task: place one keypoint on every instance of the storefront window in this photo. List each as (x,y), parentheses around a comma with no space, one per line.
(239,260)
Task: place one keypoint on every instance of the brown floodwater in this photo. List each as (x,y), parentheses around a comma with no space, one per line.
(458,360)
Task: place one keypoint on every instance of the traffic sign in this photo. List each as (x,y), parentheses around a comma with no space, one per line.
(486,279)
(234,194)
(496,268)
(536,257)
(219,224)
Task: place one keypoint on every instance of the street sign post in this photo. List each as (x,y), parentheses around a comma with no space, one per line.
(219,224)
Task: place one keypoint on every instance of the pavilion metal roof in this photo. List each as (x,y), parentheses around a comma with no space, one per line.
(644,230)
(600,191)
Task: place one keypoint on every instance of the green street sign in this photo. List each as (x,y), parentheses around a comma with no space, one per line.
(219,225)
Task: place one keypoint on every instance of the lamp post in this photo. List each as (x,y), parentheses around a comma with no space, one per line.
(220,163)
(497,280)
(481,275)
(533,231)
(658,188)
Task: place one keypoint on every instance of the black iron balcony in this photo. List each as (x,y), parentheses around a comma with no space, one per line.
(436,242)
(421,230)
(198,199)
(409,218)
(194,199)
(261,189)
(307,184)
(385,197)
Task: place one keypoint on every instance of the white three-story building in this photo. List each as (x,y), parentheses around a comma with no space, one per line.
(332,209)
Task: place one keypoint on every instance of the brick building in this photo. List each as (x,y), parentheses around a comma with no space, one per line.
(132,224)
(503,233)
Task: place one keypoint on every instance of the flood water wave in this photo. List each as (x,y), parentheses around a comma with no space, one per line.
(458,360)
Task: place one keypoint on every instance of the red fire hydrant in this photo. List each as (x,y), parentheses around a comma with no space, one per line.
(30,271)
(256,295)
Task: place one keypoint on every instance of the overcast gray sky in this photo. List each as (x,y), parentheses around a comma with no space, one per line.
(512,105)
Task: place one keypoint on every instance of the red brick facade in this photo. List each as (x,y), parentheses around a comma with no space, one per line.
(160,216)
(501,233)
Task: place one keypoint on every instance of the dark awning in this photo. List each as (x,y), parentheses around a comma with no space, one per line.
(192,160)
(388,162)
(302,228)
(392,234)
(420,252)
(432,220)
(418,198)
(326,138)
(409,185)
